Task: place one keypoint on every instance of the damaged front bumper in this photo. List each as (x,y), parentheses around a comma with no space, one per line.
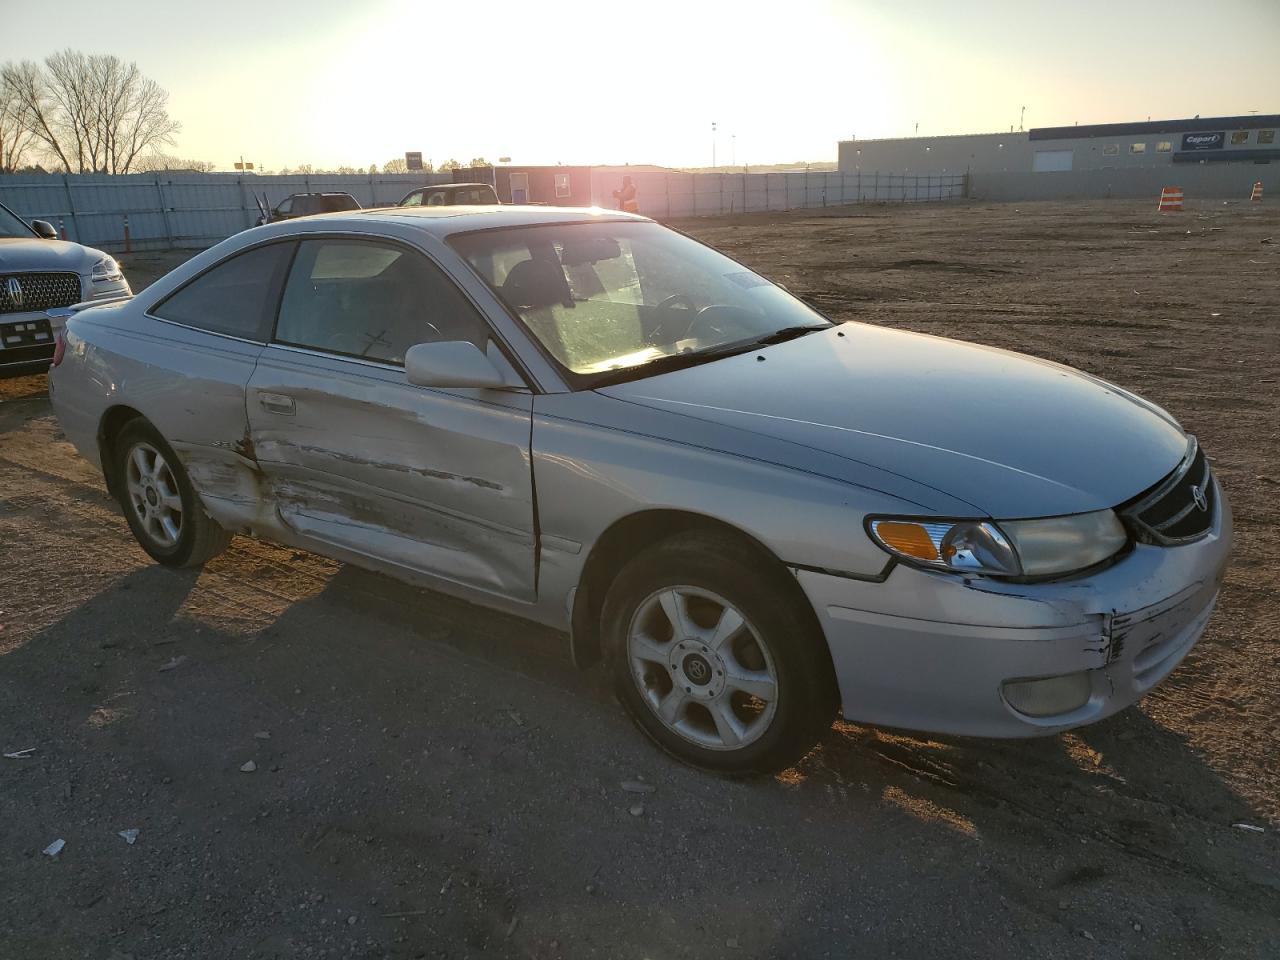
(979,657)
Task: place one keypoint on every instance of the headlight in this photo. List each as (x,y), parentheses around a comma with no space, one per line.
(1061,544)
(106,269)
(1011,548)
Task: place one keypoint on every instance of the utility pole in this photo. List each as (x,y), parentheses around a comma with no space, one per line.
(713,145)
(733,149)
(1022,116)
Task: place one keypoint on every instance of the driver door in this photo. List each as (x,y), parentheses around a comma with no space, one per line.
(437,481)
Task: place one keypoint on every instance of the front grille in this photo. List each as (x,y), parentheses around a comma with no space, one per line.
(37,291)
(1180,507)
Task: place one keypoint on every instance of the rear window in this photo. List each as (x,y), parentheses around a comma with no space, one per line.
(339,202)
(476,195)
(237,297)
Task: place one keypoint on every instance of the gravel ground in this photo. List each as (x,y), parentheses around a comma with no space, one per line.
(320,761)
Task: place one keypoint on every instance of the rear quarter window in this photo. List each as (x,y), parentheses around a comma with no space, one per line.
(237,297)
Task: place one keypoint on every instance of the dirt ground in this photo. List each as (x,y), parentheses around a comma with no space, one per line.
(433,780)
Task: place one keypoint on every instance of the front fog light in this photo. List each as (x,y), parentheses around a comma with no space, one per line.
(1049,695)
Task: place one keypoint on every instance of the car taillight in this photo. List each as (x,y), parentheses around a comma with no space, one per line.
(60,348)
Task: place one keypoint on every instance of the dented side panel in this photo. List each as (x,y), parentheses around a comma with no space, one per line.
(189,384)
(435,481)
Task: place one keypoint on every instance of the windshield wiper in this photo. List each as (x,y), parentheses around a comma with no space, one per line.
(672,361)
(788,333)
(678,361)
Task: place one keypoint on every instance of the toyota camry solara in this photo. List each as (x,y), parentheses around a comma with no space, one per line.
(754,516)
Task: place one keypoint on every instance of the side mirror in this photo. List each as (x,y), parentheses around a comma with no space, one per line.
(45,229)
(451,363)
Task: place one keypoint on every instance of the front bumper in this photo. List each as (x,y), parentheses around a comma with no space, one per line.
(933,651)
(34,355)
(23,349)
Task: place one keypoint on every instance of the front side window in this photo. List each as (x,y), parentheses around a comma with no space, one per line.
(412,200)
(237,297)
(369,299)
(608,300)
(286,205)
(438,198)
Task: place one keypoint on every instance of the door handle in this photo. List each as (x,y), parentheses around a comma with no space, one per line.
(277,403)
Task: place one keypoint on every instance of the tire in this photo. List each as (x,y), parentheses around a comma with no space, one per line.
(686,688)
(162,508)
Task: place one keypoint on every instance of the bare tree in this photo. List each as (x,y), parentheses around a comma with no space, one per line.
(91,113)
(15,138)
(451,165)
(156,162)
(395,166)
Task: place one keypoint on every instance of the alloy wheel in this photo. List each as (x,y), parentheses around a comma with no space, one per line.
(153,494)
(702,668)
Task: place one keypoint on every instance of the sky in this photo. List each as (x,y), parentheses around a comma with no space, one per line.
(325,82)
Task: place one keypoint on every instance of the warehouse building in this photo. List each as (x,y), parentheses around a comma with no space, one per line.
(1219,156)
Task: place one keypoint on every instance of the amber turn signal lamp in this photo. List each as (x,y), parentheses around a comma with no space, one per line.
(907,538)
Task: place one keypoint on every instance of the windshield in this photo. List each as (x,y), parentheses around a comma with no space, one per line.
(618,300)
(11,225)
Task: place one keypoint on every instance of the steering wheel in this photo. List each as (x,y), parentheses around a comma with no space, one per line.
(668,305)
(712,317)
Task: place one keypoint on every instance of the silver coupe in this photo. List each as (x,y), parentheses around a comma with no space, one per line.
(754,516)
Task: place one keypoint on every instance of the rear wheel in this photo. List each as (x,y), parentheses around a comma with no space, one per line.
(162,508)
(714,659)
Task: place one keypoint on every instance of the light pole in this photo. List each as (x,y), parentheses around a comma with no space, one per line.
(733,149)
(713,146)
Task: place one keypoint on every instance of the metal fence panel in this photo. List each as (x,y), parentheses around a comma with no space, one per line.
(173,209)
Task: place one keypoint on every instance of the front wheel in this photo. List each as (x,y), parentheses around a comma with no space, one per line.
(162,508)
(714,659)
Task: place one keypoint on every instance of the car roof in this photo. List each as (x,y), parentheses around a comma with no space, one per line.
(443,221)
(456,186)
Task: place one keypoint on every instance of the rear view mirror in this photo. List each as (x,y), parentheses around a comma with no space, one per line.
(451,363)
(576,252)
(44,229)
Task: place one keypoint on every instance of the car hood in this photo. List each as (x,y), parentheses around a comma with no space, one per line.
(22,253)
(1011,435)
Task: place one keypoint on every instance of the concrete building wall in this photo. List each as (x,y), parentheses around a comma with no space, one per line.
(932,155)
(1145,145)
(1208,183)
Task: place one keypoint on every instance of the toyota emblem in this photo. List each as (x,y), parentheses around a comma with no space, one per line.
(1198,496)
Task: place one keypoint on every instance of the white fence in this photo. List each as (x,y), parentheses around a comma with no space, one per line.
(195,210)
